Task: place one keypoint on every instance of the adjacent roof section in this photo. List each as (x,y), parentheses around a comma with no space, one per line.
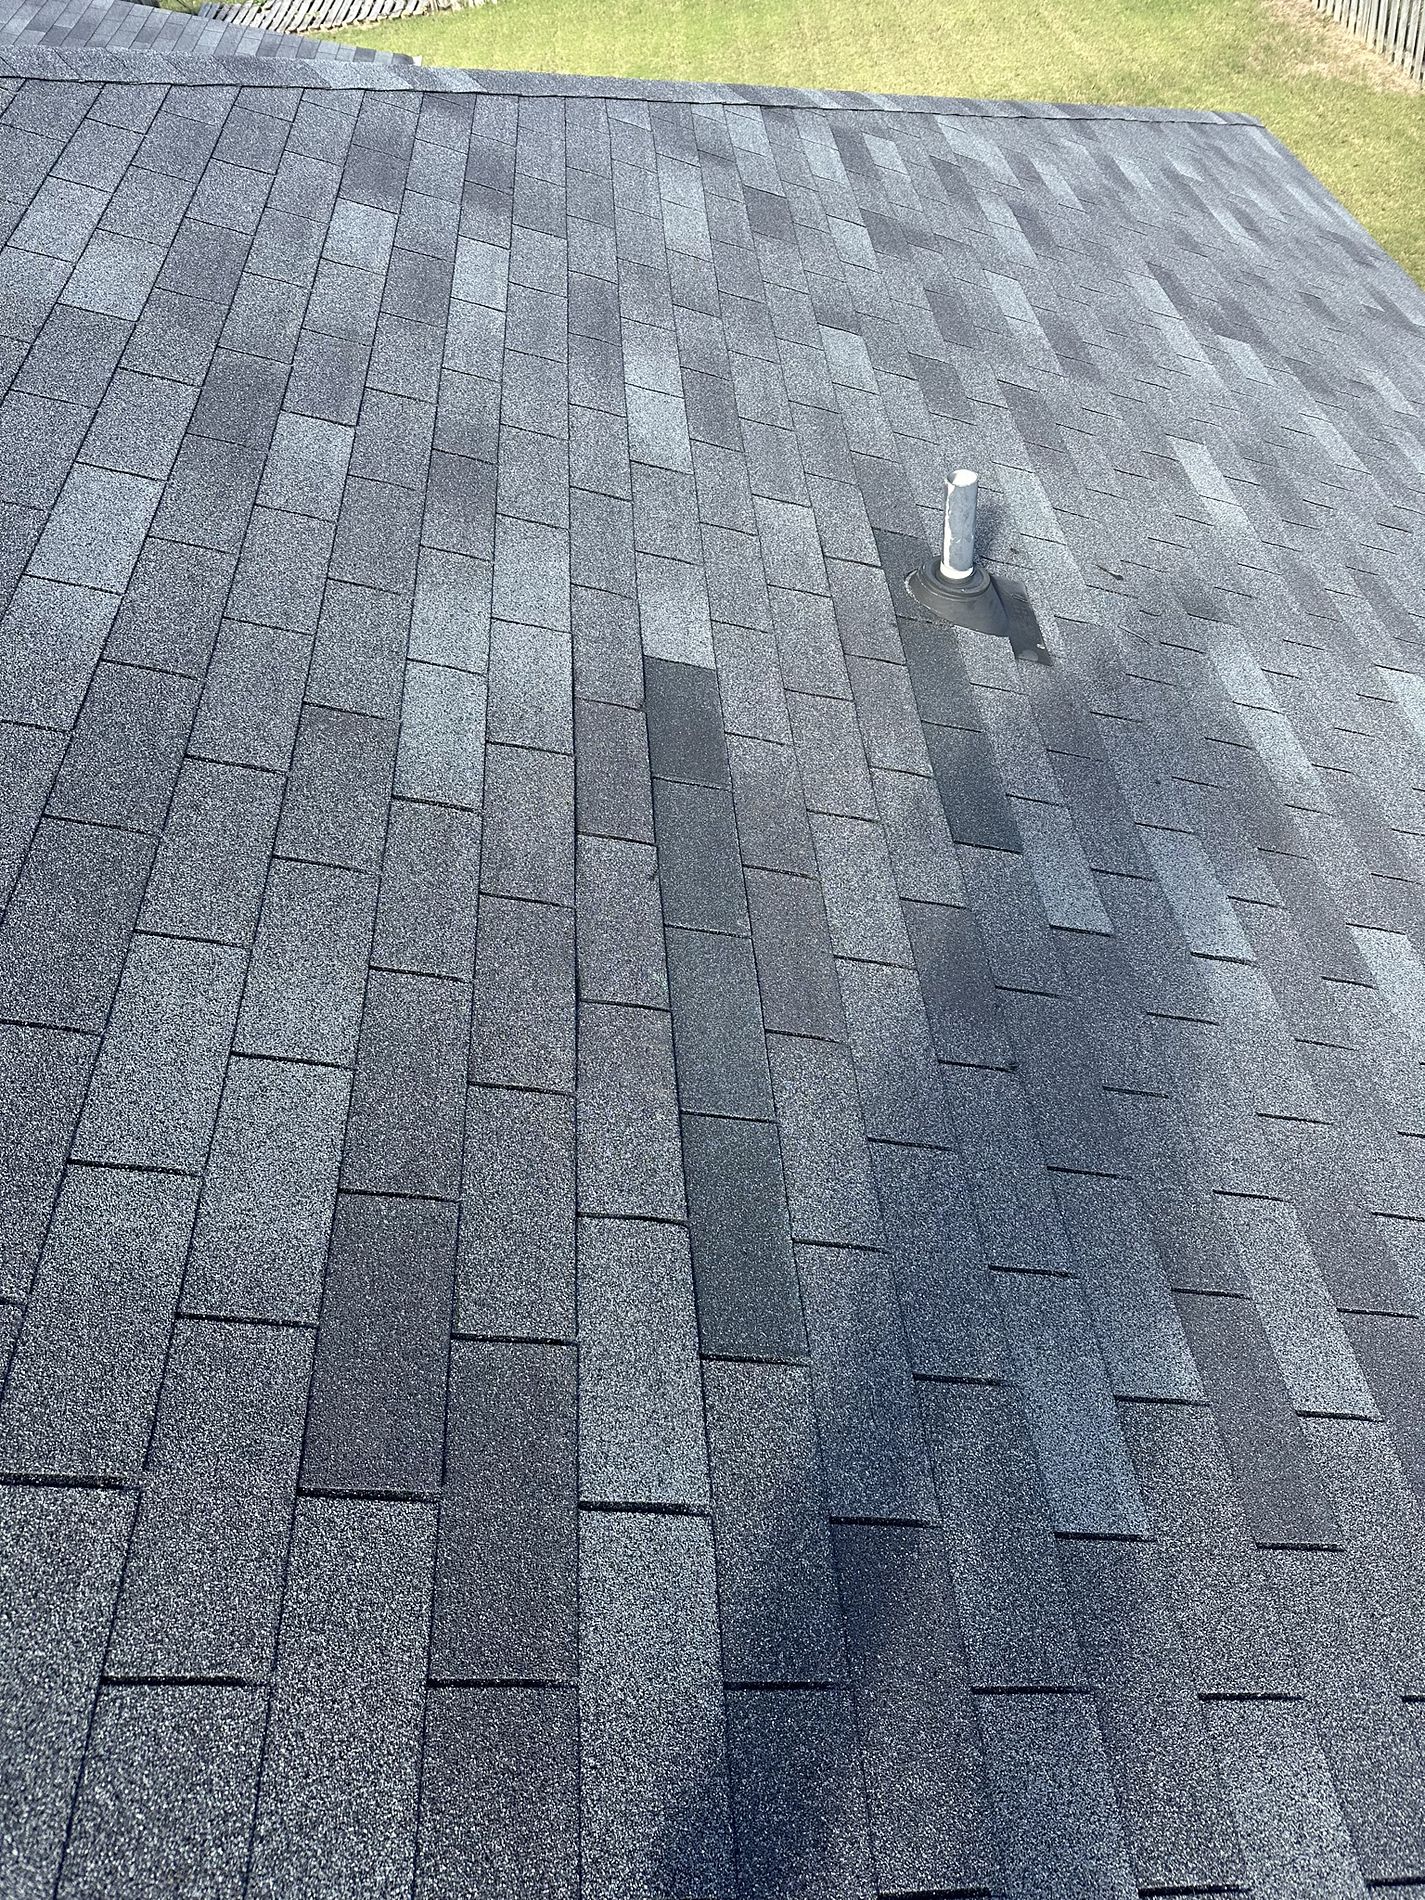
(75,26)
(667,1232)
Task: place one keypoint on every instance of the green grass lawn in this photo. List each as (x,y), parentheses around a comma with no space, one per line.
(1354,123)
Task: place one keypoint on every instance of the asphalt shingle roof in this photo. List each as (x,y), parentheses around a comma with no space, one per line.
(666,1231)
(118,27)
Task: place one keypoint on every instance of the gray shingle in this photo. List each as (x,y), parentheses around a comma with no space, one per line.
(830,1190)
(203,1583)
(1317,1364)
(259,1246)
(1059,867)
(377,541)
(653,1780)
(748,1298)
(620,924)
(896,1070)
(1389,1351)
(608,657)
(920,1743)
(211,866)
(1370,1748)
(499,1793)
(1019,946)
(1214,1586)
(629,1158)
(872,1444)
(240,399)
(516,1275)
(828,741)
(529,825)
(1174,1814)
(717,295)
(947,1304)
(1068,1406)
(154,1094)
(685,737)
(127,748)
(640,1401)
(771,817)
(532,570)
(781,1622)
(1202,910)
(717,1025)
(799,987)
(208,498)
(861,903)
(613,796)
(1283,1502)
(673,611)
(442,736)
(306,467)
(749,682)
(376,1418)
(74,352)
(168,1791)
(923,860)
(65,1553)
(171,610)
(282,570)
(337,789)
(252,697)
(506,1568)
(1014,1616)
(700,872)
(340,1771)
(1053,1799)
(30,760)
(43,1075)
(328,373)
(84,1379)
(1294,1837)
(425,921)
(139,425)
(522,1008)
(1013,1190)
(500,1802)
(38,440)
(308,970)
(530,687)
(407,1116)
(66,930)
(51,637)
(1137,1326)
(798,1804)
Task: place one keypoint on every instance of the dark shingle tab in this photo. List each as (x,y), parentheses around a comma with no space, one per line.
(376,1419)
(507,1563)
(499,1792)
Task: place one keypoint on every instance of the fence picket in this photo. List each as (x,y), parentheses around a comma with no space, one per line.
(1393,28)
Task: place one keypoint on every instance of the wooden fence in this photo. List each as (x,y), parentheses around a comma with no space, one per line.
(1393,28)
(323,16)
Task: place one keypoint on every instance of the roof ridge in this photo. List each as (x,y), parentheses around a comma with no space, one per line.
(142,67)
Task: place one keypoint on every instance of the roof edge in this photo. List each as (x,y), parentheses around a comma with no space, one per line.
(97,65)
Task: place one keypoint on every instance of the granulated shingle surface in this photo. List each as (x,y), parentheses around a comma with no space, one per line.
(667,1232)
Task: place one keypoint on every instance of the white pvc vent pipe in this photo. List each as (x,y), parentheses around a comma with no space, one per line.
(957,559)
